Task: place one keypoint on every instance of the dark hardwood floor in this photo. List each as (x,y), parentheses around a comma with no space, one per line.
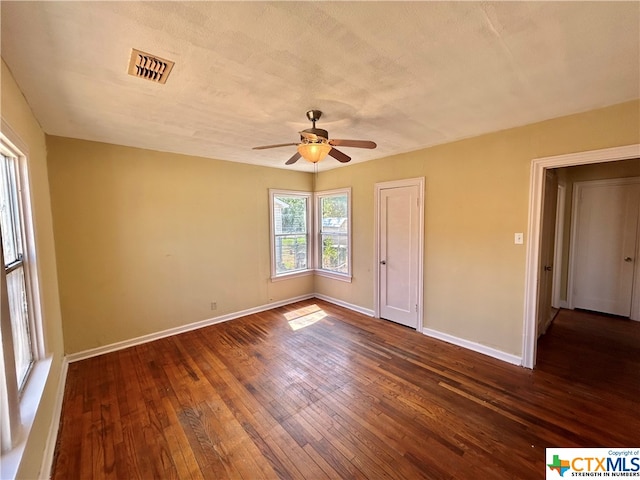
(314,391)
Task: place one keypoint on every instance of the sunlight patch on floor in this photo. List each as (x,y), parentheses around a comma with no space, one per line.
(304,317)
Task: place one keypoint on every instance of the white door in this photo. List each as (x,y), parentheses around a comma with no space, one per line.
(605,244)
(399,253)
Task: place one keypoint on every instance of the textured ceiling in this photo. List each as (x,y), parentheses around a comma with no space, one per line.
(404,74)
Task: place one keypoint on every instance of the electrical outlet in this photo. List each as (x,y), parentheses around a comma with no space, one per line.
(214,305)
(518,238)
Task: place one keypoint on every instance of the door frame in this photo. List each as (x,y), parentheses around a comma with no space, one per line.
(536,184)
(378,187)
(577,189)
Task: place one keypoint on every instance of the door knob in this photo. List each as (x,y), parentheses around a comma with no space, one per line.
(548,268)
(628,259)
(383,262)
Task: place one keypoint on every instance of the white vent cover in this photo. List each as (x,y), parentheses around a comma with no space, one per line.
(151,67)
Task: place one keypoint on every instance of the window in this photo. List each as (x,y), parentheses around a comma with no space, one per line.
(334,232)
(290,240)
(14,266)
(20,325)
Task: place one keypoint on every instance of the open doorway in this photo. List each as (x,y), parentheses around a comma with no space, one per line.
(588,242)
(534,263)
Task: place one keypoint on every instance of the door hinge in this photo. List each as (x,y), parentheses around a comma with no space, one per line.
(416,308)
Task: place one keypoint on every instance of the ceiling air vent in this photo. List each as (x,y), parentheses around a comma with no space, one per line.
(145,65)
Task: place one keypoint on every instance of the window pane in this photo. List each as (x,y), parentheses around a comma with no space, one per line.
(291,253)
(334,209)
(335,254)
(334,233)
(290,232)
(19,322)
(11,241)
(290,215)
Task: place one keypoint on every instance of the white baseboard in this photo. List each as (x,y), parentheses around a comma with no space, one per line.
(94,352)
(356,308)
(49,452)
(461,342)
(476,347)
(52,437)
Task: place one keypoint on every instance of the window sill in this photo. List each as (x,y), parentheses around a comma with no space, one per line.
(343,277)
(287,276)
(321,273)
(29,403)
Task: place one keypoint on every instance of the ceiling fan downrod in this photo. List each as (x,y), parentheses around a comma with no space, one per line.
(314,116)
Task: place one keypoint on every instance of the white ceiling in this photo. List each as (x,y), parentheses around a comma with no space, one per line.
(405,74)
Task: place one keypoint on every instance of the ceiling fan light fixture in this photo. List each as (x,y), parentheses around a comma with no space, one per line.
(314,151)
(315,145)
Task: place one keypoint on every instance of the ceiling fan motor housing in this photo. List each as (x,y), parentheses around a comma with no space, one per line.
(321,133)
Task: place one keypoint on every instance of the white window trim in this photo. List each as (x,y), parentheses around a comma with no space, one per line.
(11,144)
(272,234)
(288,276)
(9,148)
(313,235)
(317,244)
(29,400)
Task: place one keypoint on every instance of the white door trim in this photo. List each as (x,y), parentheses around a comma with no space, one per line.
(536,183)
(409,182)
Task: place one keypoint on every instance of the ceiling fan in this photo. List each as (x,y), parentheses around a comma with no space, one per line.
(315,144)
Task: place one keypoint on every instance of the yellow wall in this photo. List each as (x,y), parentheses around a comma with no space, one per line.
(25,130)
(477,194)
(147,240)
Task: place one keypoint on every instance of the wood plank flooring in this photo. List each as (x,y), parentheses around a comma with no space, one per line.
(314,391)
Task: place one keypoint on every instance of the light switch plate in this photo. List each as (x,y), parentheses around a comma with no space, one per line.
(518,238)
